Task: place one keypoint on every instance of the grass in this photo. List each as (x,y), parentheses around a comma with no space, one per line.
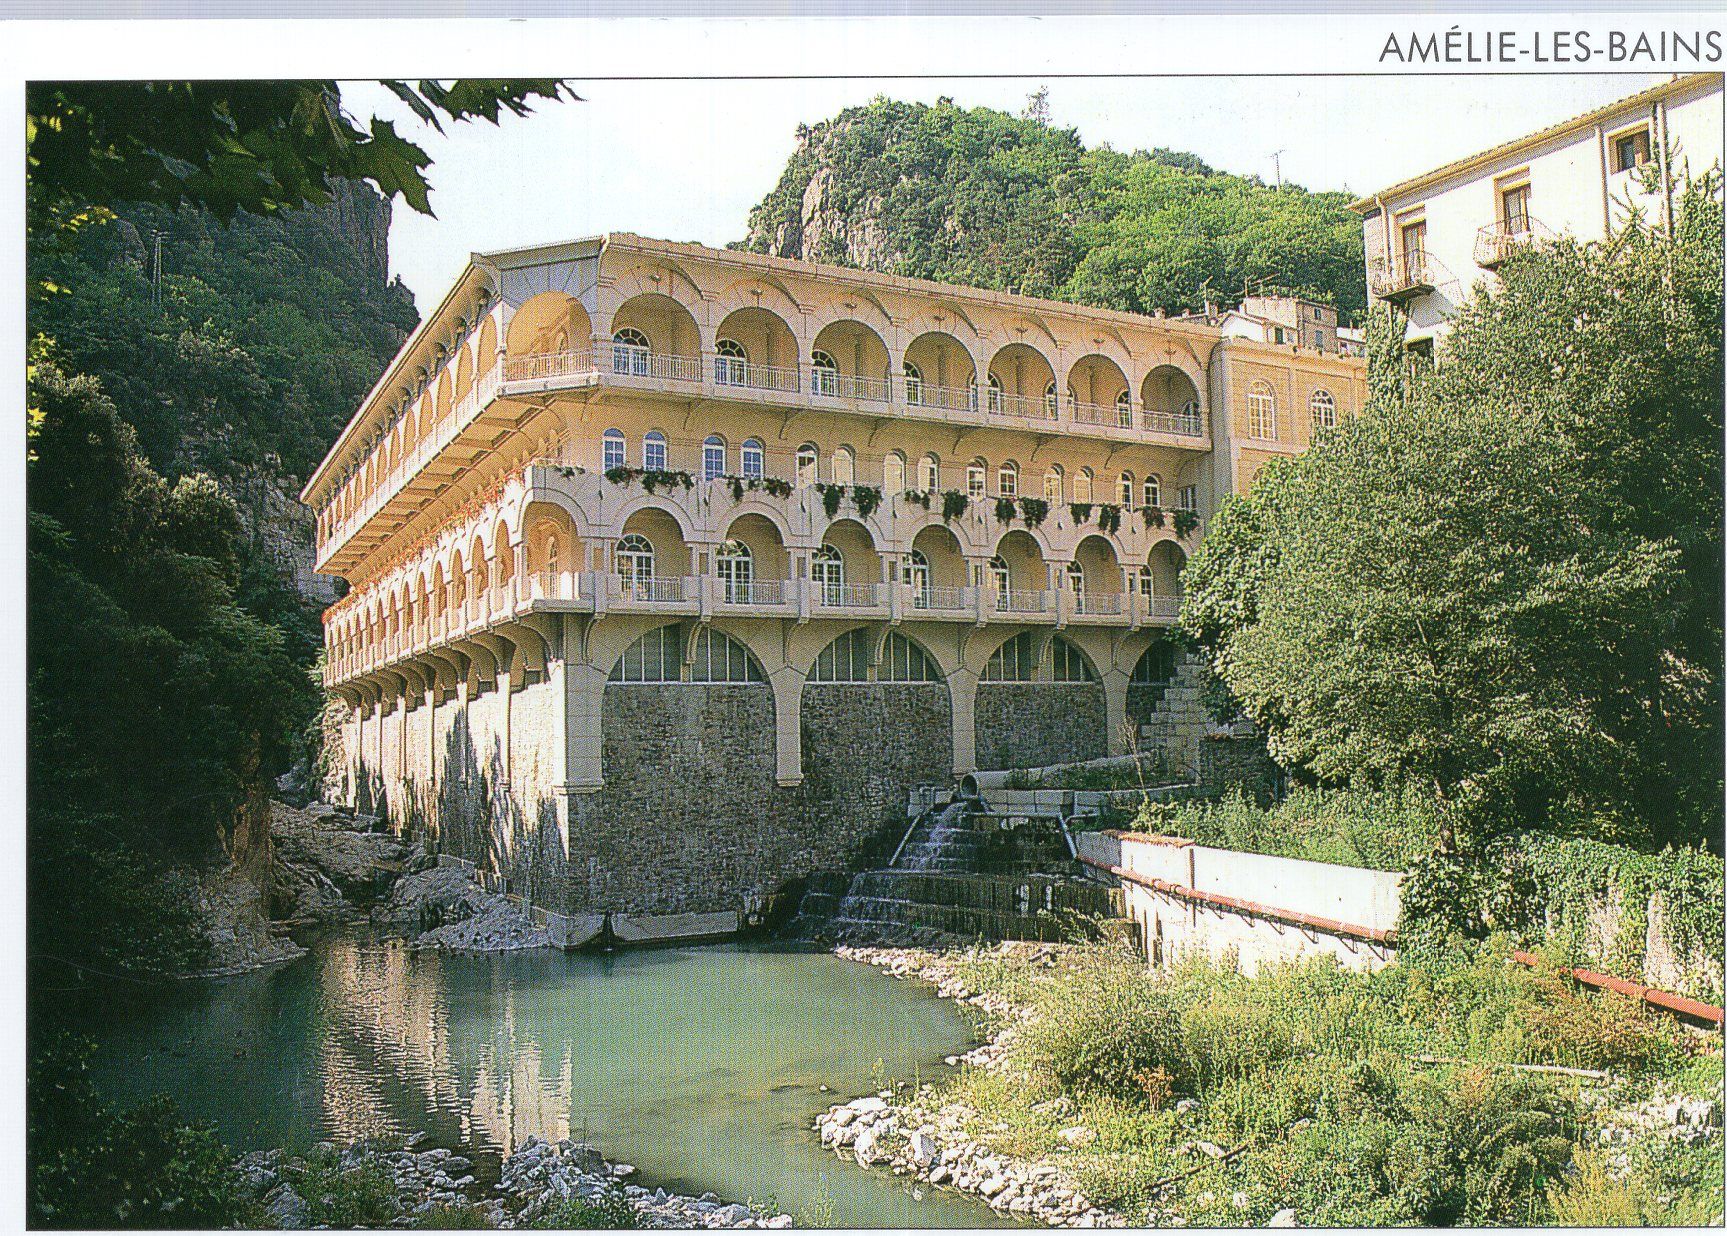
(1317,1075)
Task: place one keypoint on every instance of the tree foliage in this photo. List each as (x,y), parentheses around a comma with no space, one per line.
(1504,584)
(976,196)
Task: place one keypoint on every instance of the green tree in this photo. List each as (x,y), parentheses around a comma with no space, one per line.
(1505,585)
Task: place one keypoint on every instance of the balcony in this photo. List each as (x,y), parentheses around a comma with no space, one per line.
(831,384)
(1119,415)
(1498,241)
(1028,407)
(1405,276)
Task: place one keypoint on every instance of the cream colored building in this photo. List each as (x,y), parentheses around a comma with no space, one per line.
(1431,238)
(680,560)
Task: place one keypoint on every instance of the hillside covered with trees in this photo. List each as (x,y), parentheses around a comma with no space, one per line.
(979,197)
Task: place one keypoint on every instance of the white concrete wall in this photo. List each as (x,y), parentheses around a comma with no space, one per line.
(1172,926)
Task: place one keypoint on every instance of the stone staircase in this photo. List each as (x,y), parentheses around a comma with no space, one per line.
(963,872)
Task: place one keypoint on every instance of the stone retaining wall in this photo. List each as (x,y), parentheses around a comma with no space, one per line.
(1025,725)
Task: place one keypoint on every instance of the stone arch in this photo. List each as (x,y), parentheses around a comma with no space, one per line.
(765,539)
(667,324)
(858,548)
(862,364)
(1101,565)
(1024,373)
(943,554)
(1165,560)
(661,528)
(1027,560)
(1169,389)
(547,323)
(941,361)
(464,370)
(628,509)
(486,346)
(1097,380)
(765,336)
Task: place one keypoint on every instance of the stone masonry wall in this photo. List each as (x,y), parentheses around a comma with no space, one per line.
(864,748)
(1179,720)
(1028,725)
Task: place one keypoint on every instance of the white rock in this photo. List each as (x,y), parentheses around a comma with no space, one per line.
(1284,1218)
(1078,1135)
(923,1148)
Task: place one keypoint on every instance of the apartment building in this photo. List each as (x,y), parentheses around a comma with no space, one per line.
(672,569)
(1431,238)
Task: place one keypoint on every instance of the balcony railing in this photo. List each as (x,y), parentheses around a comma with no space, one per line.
(752,592)
(1033,407)
(940,598)
(1022,601)
(1118,414)
(1498,241)
(846,596)
(731,371)
(920,394)
(1163,608)
(652,589)
(629,360)
(1188,424)
(832,384)
(1405,276)
(1109,604)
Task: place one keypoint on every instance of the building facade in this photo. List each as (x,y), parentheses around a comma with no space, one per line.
(671,570)
(1288,321)
(1430,239)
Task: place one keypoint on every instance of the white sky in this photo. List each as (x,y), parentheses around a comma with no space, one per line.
(687,159)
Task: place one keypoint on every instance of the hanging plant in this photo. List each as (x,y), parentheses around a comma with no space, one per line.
(953,505)
(1081,511)
(1034,511)
(1109,517)
(1152,515)
(919,496)
(831,497)
(1186,522)
(738,487)
(620,475)
(658,478)
(866,498)
(1004,510)
(775,486)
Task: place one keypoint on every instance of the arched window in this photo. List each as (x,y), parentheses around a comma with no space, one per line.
(904,661)
(1323,409)
(735,566)
(914,571)
(828,574)
(1124,410)
(719,658)
(654,451)
(1261,411)
(635,562)
(730,362)
(806,465)
(1049,399)
(753,458)
(1068,664)
(893,474)
(1124,489)
(658,656)
(824,374)
(713,457)
(913,383)
(844,466)
(931,473)
(976,476)
(1082,491)
(612,449)
(1014,661)
(1000,579)
(1153,491)
(846,659)
(1142,578)
(1007,480)
(1054,484)
(1156,665)
(630,352)
(1076,579)
(994,393)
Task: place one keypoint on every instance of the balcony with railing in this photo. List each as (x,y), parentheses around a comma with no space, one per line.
(1401,277)
(828,594)
(1029,407)
(1498,241)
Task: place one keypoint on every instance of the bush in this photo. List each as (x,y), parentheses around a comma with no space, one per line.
(1113,1034)
(611,1209)
(360,1195)
(1355,828)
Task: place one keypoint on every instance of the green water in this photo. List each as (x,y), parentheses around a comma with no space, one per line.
(701,1066)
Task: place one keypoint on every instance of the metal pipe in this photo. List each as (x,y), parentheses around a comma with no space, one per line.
(1670,1001)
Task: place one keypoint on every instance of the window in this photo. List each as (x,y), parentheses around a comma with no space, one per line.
(1014,661)
(975,474)
(1187,498)
(657,656)
(736,568)
(1082,491)
(1076,579)
(893,474)
(1069,664)
(1054,484)
(914,572)
(612,449)
(1324,410)
(1156,665)
(717,657)
(730,361)
(1007,480)
(904,661)
(1049,400)
(713,457)
(994,393)
(1153,491)
(824,374)
(1514,209)
(654,451)
(1000,579)
(1277,335)
(635,560)
(931,473)
(1124,410)
(913,383)
(828,573)
(1319,340)
(845,466)
(844,660)
(1630,150)
(1124,489)
(806,465)
(1412,238)
(630,352)
(1142,577)
(1261,411)
(752,458)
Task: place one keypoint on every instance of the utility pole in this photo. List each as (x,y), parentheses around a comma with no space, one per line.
(1277,166)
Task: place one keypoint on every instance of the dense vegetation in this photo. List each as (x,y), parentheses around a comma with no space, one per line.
(1501,585)
(976,196)
(1354,1099)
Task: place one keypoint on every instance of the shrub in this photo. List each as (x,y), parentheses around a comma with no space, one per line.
(359,1195)
(611,1209)
(461,1218)
(1114,1030)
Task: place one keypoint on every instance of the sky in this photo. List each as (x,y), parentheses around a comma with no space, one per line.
(686,159)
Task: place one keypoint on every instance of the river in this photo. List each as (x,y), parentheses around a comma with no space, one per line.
(701,1066)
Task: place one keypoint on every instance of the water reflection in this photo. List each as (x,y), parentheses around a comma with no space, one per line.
(701,1066)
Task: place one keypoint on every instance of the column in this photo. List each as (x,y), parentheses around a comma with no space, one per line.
(788,688)
(962,694)
(1115,710)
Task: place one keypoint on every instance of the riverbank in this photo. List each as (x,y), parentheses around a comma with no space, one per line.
(1446,1094)
(543,1184)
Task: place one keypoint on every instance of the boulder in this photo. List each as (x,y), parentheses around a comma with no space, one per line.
(1078,1135)
(1284,1218)
(923,1148)
(287,1209)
